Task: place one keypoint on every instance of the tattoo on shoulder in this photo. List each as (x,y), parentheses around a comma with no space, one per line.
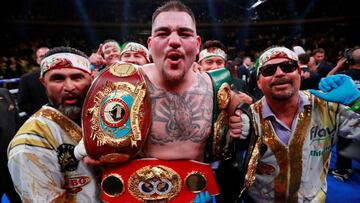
(181,117)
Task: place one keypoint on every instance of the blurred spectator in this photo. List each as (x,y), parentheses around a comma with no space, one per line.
(8,125)
(309,79)
(243,72)
(111,51)
(107,54)
(32,95)
(298,50)
(312,64)
(323,66)
(238,85)
(134,53)
(253,88)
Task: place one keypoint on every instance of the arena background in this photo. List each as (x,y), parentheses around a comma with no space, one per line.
(84,24)
(330,24)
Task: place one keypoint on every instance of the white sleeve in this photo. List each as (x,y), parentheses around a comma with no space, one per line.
(36,174)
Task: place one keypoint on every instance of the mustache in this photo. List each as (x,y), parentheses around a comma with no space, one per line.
(70,96)
(172,52)
(280,81)
(79,97)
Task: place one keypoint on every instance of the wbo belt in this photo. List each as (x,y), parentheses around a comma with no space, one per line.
(152,180)
(116,114)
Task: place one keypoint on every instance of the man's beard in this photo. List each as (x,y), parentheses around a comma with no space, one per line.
(173,80)
(73,112)
(283,97)
(285,94)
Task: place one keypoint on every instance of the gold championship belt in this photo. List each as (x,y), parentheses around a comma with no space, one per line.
(153,180)
(116,114)
(216,144)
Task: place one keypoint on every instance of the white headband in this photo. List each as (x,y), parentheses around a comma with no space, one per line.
(107,44)
(65,60)
(136,47)
(207,53)
(275,52)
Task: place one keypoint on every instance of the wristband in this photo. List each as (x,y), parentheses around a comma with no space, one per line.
(80,151)
(356,105)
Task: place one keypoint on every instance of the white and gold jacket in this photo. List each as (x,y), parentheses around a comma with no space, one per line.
(42,164)
(297,172)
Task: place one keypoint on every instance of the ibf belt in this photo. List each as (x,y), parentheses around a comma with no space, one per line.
(152,180)
(116,114)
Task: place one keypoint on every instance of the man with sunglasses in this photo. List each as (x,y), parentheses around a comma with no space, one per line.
(294,130)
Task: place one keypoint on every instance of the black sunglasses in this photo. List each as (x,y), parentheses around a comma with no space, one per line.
(285,66)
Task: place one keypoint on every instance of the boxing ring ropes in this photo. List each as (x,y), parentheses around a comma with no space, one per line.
(10,80)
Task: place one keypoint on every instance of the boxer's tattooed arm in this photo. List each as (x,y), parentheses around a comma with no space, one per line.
(181,117)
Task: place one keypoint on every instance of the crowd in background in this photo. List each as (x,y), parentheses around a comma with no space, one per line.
(84,25)
(220,11)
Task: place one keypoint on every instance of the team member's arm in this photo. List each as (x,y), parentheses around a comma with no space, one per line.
(35,170)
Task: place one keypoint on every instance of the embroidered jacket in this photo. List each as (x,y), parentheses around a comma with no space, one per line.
(42,164)
(297,172)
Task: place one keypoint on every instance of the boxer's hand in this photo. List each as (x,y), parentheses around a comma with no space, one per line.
(337,88)
(236,99)
(80,154)
(197,68)
(92,162)
(80,151)
(239,125)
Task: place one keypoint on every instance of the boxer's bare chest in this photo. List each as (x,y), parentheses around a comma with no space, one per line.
(185,116)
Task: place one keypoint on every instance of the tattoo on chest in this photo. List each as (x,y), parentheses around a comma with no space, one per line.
(185,117)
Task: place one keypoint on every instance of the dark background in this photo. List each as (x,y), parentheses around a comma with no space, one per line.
(84,24)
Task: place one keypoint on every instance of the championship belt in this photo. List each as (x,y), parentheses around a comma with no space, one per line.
(152,180)
(116,114)
(221,80)
(244,150)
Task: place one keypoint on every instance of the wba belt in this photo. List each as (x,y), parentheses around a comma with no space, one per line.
(152,180)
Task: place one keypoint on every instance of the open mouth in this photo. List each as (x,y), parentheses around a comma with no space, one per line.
(174,56)
(281,83)
(70,100)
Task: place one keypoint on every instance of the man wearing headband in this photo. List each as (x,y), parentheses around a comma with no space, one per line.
(134,53)
(295,130)
(107,54)
(212,55)
(41,159)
